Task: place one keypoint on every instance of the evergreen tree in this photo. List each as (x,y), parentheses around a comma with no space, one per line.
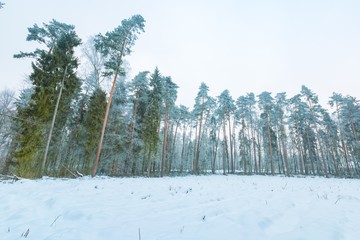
(184,118)
(115,150)
(201,105)
(114,46)
(336,101)
(226,109)
(92,127)
(169,92)
(7,113)
(267,106)
(350,118)
(280,106)
(241,114)
(297,130)
(53,70)
(251,117)
(314,119)
(331,139)
(153,118)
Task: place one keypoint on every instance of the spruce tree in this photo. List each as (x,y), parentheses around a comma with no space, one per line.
(92,127)
(138,99)
(153,118)
(46,78)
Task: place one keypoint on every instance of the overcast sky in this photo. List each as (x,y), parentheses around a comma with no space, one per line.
(240,45)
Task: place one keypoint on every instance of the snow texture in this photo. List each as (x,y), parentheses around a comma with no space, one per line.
(203,207)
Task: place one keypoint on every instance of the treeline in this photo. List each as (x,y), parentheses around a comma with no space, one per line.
(67,125)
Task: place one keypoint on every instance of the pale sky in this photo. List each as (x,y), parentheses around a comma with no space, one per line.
(240,45)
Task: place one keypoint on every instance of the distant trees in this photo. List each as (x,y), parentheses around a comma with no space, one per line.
(7,114)
(62,122)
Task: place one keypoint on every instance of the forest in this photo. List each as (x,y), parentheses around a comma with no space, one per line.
(68,125)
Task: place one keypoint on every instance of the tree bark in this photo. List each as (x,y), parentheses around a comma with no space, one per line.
(163,157)
(270,145)
(243,145)
(53,122)
(196,164)
(231,148)
(285,154)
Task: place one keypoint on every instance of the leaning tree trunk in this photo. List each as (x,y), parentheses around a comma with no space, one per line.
(107,112)
(53,122)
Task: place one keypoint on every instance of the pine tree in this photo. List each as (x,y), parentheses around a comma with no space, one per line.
(297,126)
(350,118)
(116,134)
(314,109)
(201,104)
(241,114)
(336,101)
(184,118)
(169,94)
(267,107)
(280,105)
(226,109)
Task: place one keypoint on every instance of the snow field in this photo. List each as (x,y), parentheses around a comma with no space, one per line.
(192,207)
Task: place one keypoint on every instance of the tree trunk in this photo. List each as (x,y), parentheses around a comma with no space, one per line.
(285,154)
(225,157)
(173,147)
(196,164)
(183,149)
(243,145)
(259,151)
(254,144)
(309,150)
(270,145)
(303,165)
(149,162)
(163,157)
(53,122)
(231,148)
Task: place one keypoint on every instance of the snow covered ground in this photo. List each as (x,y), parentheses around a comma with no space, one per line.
(203,207)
